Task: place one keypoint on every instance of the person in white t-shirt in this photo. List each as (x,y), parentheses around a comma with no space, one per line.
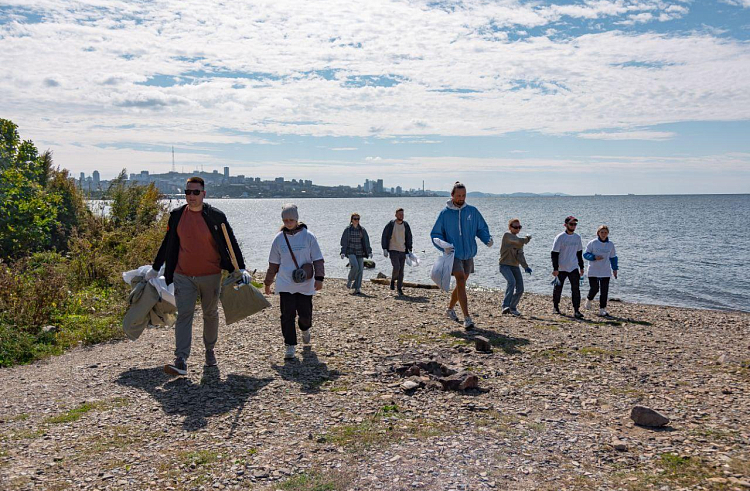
(602,258)
(295,290)
(567,262)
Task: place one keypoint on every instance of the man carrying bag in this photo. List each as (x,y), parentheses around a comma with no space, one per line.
(195,252)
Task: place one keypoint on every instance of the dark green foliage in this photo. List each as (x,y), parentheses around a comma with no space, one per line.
(61,264)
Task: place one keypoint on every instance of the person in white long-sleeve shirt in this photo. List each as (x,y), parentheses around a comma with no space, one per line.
(602,258)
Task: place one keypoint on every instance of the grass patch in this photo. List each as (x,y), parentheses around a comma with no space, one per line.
(17,417)
(552,354)
(77,413)
(329,481)
(546,327)
(596,351)
(675,471)
(387,425)
(199,457)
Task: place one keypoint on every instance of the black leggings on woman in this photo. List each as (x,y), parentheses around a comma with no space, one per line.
(594,285)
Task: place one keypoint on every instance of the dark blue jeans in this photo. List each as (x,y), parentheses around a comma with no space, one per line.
(514,290)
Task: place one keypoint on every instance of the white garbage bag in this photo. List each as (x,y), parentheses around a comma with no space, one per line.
(412,260)
(443,267)
(166,292)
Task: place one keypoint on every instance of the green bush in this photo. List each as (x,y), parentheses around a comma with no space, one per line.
(60,264)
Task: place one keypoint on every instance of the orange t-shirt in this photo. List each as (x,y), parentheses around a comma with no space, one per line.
(199,255)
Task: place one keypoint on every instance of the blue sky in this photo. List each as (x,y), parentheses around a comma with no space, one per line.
(582,97)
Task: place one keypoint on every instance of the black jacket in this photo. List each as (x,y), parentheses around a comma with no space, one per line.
(170,246)
(388,232)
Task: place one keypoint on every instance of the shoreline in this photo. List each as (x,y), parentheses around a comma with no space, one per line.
(551,411)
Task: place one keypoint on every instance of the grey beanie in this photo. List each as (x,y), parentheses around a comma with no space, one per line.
(289,210)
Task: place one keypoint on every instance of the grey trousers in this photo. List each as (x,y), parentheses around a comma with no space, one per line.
(398,260)
(186,292)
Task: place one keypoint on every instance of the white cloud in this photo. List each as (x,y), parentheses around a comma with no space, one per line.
(738,3)
(629,135)
(381,68)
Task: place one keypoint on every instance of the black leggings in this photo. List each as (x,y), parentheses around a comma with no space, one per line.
(574,277)
(295,305)
(594,285)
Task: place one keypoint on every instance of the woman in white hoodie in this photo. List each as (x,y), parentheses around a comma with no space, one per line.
(602,258)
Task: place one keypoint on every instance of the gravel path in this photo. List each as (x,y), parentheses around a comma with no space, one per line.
(551,412)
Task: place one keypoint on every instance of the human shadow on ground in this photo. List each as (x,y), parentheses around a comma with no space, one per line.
(598,320)
(410,299)
(195,402)
(309,372)
(508,344)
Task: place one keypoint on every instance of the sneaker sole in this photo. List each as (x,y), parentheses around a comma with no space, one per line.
(169,369)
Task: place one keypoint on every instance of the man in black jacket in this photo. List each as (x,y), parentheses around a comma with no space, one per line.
(397,243)
(194,251)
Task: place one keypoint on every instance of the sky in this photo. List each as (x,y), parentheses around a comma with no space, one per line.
(579,97)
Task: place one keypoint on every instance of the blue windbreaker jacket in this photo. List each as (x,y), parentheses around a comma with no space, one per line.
(461,227)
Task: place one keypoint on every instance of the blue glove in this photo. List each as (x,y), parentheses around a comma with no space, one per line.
(556,281)
(528,270)
(247,278)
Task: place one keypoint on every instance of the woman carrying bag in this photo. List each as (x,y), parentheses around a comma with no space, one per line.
(296,257)
(355,244)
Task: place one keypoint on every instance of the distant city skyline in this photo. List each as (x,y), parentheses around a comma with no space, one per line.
(573,96)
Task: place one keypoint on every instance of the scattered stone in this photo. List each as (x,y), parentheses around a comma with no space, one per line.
(483,344)
(410,385)
(460,381)
(645,416)
(619,445)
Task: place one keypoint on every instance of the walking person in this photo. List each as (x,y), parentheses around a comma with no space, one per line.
(511,256)
(355,245)
(298,266)
(397,243)
(194,252)
(602,258)
(460,224)
(567,263)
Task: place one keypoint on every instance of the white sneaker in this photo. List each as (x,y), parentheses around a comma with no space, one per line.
(603,313)
(451,314)
(515,312)
(468,323)
(306,336)
(289,353)
(588,305)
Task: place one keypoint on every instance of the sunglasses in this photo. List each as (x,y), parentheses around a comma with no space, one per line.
(519,227)
(573,224)
(356,219)
(194,192)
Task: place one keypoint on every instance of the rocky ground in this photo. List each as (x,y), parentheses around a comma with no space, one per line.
(551,411)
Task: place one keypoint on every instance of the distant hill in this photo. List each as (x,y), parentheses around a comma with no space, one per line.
(478,194)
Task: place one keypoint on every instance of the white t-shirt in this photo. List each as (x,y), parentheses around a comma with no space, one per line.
(600,268)
(567,245)
(306,250)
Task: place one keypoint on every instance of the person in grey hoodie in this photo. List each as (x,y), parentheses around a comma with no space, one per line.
(511,256)
(355,244)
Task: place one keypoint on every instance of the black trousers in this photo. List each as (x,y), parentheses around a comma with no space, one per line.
(398,260)
(574,277)
(295,305)
(594,285)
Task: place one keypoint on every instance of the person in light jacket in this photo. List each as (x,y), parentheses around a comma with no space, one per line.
(295,297)
(511,256)
(355,245)
(602,258)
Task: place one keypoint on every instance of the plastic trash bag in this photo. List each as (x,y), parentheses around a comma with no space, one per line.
(166,292)
(412,260)
(240,300)
(146,307)
(443,267)
(556,282)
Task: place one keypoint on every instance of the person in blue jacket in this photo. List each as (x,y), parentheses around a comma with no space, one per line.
(460,224)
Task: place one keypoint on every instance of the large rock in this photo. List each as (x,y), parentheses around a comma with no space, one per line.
(460,381)
(483,344)
(645,416)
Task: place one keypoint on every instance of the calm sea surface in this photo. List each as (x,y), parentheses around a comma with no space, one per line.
(676,250)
